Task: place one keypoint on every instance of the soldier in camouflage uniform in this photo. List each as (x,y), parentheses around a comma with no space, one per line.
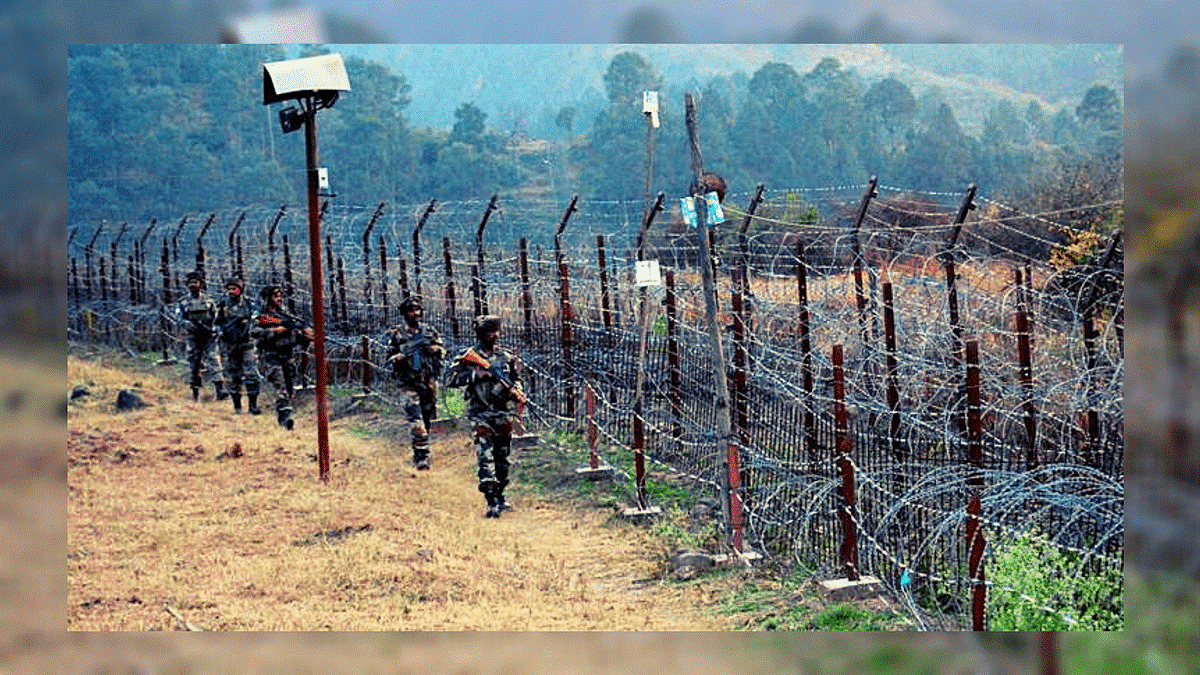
(494,394)
(278,334)
(196,314)
(416,353)
(234,316)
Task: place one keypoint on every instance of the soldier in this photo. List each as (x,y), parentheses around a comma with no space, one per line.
(491,377)
(278,335)
(234,315)
(416,352)
(196,313)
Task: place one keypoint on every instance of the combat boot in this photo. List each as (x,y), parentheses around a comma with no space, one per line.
(284,417)
(493,503)
(254,409)
(237,403)
(420,448)
(219,385)
(501,504)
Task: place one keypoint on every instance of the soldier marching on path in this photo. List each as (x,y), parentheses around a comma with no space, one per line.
(491,378)
(234,316)
(197,313)
(417,354)
(278,335)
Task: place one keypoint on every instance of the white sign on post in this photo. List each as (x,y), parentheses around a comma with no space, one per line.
(647,274)
(650,106)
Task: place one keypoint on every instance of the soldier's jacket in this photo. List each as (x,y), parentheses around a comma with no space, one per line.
(197,314)
(283,343)
(487,397)
(234,320)
(418,366)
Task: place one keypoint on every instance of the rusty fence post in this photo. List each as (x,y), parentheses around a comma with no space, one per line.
(369,318)
(976,542)
(367,373)
(675,374)
(810,420)
(1025,374)
(848,554)
(593,431)
(566,312)
(385,307)
(605,312)
(451,310)
(526,295)
(403,275)
(288,280)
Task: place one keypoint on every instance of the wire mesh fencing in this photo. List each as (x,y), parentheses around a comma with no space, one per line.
(908,386)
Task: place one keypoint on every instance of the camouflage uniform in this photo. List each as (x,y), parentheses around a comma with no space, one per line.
(492,412)
(417,365)
(234,318)
(275,351)
(196,314)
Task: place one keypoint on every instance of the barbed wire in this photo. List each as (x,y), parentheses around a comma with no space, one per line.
(888,288)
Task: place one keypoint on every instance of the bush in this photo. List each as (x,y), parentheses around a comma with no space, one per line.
(1037,586)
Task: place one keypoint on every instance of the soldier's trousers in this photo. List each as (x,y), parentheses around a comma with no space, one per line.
(419,407)
(241,368)
(493,442)
(202,360)
(280,372)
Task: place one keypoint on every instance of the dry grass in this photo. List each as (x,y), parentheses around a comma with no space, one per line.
(165,510)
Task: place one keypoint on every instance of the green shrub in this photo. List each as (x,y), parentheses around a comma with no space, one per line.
(1051,578)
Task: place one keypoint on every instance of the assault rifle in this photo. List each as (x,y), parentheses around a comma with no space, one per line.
(235,329)
(287,321)
(474,358)
(414,351)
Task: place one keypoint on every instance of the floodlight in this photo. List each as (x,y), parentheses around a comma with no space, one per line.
(319,76)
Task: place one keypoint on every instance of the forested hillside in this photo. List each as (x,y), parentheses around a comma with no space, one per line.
(168,129)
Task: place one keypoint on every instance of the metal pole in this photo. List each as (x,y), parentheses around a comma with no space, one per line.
(318,300)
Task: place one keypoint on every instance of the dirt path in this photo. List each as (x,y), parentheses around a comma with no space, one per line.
(185,512)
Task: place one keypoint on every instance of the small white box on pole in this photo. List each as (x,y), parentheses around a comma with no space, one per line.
(650,106)
(647,274)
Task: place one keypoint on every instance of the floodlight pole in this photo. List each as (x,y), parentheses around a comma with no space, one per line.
(318,300)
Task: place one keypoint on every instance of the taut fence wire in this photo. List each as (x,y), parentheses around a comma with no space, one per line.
(913,381)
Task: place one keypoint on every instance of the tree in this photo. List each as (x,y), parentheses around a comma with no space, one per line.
(1101,116)
(628,75)
(942,156)
(470,124)
(565,118)
(888,109)
(767,137)
(836,106)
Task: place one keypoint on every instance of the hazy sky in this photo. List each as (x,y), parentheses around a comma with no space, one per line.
(1150,28)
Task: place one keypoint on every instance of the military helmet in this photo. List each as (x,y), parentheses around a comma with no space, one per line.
(266,292)
(234,281)
(195,274)
(487,324)
(410,303)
